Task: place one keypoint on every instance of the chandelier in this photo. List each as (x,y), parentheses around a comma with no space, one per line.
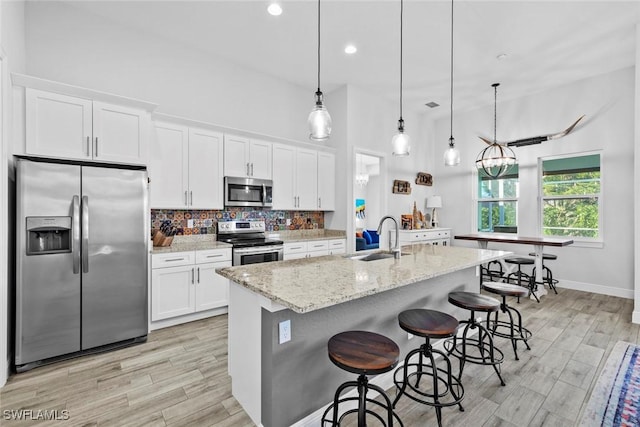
(496,159)
(362,177)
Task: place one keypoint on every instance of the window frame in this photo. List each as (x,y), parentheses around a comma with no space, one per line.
(578,240)
(477,200)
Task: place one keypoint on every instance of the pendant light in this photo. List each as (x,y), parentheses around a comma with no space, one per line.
(400,141)
(496,159)
(452,155)
(319,120)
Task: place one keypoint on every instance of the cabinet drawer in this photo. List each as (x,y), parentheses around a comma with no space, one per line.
(172,259)
(337,244)
(318,245)
(295,248)
(213,255)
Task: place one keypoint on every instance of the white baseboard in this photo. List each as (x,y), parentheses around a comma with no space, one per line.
(384,381)
(596,289)
(165,323)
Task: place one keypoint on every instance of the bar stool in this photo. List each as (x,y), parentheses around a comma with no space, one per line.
(363,353)
(530,280)
(488,273)
(487,354)
(500,328)
(445,389)
(548,277)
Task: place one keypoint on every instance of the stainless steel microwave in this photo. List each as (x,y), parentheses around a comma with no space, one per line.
(248,192)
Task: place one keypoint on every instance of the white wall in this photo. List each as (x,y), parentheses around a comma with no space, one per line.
(608,102)
(12,55)
(636,310)
(67,45)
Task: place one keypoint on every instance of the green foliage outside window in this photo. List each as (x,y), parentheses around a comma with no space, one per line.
(497,202)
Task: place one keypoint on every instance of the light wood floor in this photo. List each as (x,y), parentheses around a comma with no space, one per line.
(179,377)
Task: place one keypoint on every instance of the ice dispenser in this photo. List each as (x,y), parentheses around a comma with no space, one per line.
(48,235)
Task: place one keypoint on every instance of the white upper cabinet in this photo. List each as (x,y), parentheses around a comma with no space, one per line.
(245,157)
(64,126)
(307,179)
(295,178)
(186,168)
(326,181)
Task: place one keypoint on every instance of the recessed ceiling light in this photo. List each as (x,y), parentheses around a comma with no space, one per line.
(501,56)
(350,49)
(275,9)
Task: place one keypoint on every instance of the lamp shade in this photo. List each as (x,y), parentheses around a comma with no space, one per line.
(434,202)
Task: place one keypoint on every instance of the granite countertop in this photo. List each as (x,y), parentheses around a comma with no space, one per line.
(198,242)
(291,236)
(309,284)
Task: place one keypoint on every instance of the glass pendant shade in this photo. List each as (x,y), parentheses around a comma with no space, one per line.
(495,160)
(401,141)
(319,121)
(452,154)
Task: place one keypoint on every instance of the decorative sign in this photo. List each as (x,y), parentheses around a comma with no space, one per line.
(401,187)
(424,178)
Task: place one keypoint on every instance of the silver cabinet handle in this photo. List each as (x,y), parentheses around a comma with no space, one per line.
(198,274)
(186,201)
(294,201)
(192,276)
(247,169)
(191,198)
(85,234)
(319,202)
(88,146)
(251,169)
(174,259)
(75,231)
(95,152)
(295,247)
(213,256)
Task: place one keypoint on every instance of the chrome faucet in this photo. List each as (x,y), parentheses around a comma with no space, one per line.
(396,249)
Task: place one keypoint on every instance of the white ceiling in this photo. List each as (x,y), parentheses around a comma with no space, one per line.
(548,43)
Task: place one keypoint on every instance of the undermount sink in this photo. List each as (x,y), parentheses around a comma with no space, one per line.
(373,256)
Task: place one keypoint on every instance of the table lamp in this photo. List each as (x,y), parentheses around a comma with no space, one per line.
(434,202)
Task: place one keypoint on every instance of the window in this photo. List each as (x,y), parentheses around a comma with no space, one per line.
(571,196)
(498,202)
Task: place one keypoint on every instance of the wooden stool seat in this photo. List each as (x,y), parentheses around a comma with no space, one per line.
(505,289)
(474,302)
(428,323)
(519,260)
(545,256)
(362,352)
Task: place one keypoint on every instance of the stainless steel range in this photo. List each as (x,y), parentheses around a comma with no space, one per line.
(250,245)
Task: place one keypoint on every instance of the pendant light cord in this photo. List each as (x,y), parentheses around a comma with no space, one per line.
(401,15)
(495,111)
(318,45)
(451,109)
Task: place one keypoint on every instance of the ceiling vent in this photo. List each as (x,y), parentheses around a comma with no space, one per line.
(432,104)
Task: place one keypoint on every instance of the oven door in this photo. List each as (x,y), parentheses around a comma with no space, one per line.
(257,254)
(248,192)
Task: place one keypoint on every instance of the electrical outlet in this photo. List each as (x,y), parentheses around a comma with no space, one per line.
(409,336)
(190,223)
(284,331)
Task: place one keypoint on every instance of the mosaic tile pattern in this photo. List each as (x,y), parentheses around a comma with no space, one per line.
(204,222)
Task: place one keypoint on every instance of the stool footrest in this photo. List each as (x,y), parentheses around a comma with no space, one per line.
(522,334)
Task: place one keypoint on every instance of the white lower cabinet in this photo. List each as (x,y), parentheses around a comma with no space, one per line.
(314,248)
(186,282)
(432,236)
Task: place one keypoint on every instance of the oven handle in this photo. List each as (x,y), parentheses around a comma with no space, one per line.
(258,249)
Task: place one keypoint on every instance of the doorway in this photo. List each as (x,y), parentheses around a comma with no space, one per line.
(369,201)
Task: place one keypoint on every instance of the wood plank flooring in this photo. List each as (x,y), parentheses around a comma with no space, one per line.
(179,376)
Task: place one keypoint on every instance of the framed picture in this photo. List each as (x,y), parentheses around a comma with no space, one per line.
(406,221)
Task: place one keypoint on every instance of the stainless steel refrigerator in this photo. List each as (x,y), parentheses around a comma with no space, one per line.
(82,247)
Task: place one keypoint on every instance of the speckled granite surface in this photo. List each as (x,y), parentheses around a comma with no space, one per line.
(196,242)
(310,284)
(290,236)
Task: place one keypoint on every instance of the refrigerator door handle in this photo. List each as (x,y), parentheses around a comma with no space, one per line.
(75,233)
(85,234)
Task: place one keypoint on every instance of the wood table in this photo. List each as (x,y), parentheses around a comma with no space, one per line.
(538,242)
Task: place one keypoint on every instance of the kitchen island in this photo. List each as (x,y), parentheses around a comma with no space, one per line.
(289,383)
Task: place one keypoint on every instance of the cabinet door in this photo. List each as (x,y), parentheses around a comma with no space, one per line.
(307,179)
(168,167)
(326,181)
(260,153)
(236,156)
(120,134)
(212,290)
(58,125)
(205,169)
(284,196)
(172,292)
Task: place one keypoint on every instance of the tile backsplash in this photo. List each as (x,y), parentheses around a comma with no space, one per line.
(204,221)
